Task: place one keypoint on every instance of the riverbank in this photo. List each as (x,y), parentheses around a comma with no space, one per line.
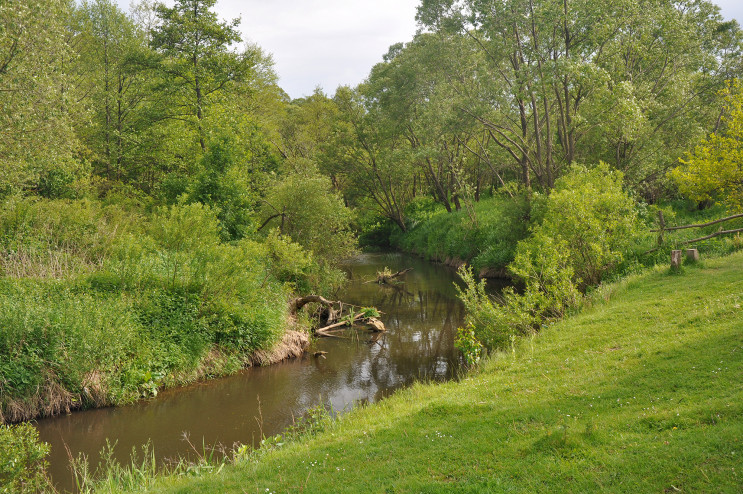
(640,392)
(483,236)
(104,306)
(421,315)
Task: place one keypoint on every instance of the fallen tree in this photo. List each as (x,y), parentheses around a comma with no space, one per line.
(386,278)
(331,314)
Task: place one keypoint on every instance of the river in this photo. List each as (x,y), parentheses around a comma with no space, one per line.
(421,316)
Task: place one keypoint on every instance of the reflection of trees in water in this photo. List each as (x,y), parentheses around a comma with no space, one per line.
(419,344)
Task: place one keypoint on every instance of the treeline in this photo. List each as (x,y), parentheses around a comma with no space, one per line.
(153,222)
(488,96)
(507,95)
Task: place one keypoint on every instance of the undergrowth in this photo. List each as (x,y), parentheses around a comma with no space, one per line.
(101,305)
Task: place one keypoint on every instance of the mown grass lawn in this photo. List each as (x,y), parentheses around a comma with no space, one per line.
(643,393)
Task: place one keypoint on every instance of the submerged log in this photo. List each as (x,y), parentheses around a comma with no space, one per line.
(330,316)
(385,279)
(338,325)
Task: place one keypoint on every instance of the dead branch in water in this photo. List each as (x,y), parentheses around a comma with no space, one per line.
(332,313)
(299,302)
(386,278)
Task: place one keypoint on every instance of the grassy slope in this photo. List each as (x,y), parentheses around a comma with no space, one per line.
(641,394)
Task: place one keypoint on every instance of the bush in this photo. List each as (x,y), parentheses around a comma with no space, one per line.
(588,225)
(304,206)
(22,460)
(591,219)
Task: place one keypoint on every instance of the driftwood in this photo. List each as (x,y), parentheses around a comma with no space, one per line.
(328,316)
(385,279)
(338,325)
(331,316)
(376,324)
(297,304)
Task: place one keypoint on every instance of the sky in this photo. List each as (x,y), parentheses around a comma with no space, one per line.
(328,43)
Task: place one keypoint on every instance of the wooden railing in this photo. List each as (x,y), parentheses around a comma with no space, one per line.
(663,229)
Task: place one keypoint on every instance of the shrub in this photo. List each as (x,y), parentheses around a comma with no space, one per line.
(304,206)
(22,460)
(591,219)
(588,225)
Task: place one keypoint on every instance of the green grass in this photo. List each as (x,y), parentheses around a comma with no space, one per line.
(640,393)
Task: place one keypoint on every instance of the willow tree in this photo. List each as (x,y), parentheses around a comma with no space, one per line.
(36,136)
(410,87)
(575,80)
(198,60)
(373,156)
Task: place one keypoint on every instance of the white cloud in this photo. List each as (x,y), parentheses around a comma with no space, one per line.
(335,42)
(321,42)
(731,9)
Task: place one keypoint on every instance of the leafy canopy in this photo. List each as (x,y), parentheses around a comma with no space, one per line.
(714,170)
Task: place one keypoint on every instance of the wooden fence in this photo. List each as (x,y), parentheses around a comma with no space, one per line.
(663,229)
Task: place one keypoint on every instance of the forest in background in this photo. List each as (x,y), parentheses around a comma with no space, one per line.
(161,196)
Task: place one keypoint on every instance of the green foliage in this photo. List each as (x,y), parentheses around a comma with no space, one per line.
(567,98)
(469,345)
(197,62)
(139,303)
(488,243)
(713,171)
(304,206)
(225,185)
(22,460)
(495,323)
(37,137)
(589,225)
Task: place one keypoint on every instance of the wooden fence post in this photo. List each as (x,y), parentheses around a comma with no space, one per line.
(692,255)
(675,259)
(662,223)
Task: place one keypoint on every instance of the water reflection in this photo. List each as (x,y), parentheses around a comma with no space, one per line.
(421,316)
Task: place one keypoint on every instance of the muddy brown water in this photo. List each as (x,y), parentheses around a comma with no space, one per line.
(421,316)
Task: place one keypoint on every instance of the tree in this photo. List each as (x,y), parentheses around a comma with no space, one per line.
(410,88)
(197,59)
(714,170)
(625,82)
(303,205)
(36,136)
(112,89)
(373,156)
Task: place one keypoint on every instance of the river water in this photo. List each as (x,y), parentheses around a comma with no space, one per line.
(421,316)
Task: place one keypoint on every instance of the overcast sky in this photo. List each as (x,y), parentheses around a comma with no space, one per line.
(328,43)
